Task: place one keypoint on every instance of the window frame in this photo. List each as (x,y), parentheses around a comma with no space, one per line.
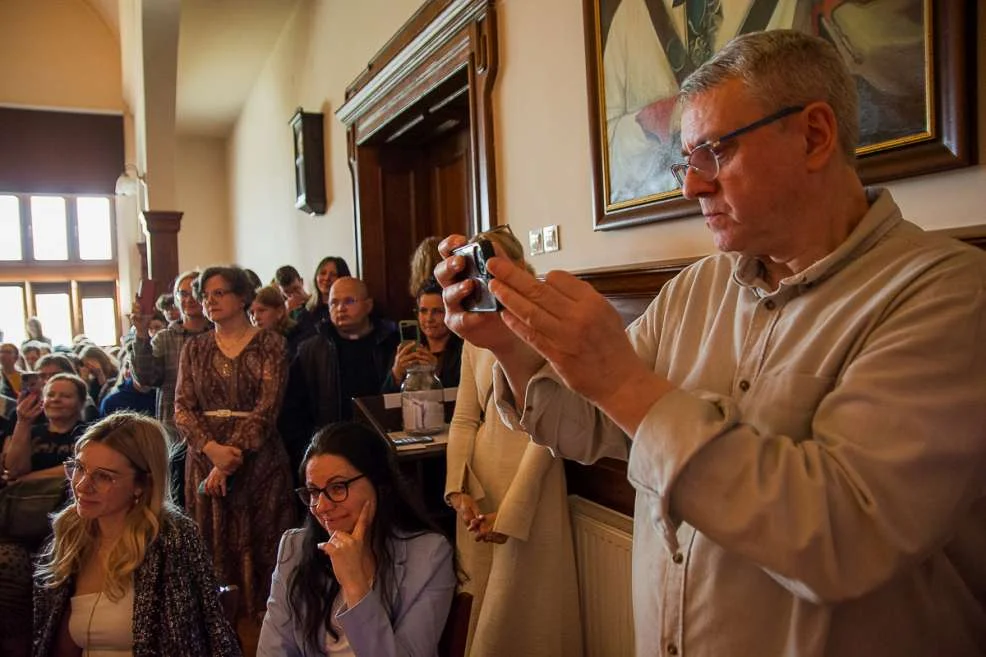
(74,265)
(75,275)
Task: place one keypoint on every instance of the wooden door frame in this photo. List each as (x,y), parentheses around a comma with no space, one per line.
(443,38)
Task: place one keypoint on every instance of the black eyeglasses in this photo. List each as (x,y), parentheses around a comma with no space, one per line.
(337,491)
(704,158)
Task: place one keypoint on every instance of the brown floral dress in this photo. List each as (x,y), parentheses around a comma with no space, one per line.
(243,528)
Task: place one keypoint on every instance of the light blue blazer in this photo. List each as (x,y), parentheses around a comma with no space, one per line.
(425,582)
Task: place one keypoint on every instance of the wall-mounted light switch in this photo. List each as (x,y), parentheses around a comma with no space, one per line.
(551,240)
(536,242)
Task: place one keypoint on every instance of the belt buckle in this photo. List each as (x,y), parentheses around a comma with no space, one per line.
(224,413)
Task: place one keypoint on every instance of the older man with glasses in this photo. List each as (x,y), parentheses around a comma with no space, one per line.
(803,415)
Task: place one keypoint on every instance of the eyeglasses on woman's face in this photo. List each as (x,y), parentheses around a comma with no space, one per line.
(218,294)
(704,158)
(99,478)
(336,491)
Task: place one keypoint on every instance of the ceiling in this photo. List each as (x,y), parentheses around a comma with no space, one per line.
(222,48)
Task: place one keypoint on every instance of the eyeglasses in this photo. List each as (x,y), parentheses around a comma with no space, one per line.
(218,295)
(704,158)
(100,479)
(337,491)
(345,302)
(183,294)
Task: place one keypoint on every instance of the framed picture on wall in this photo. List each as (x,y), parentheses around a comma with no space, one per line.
(910,60)
(309,162)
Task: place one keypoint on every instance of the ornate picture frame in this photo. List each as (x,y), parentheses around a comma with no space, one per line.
(633,130)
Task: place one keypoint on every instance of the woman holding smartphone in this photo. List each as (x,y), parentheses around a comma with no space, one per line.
(34,451)
(437,346)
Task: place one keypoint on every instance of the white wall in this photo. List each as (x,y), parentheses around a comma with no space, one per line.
(202,194)
(58,54)
(541,131)
(323,48)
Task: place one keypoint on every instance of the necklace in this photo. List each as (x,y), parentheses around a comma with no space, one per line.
(231,344)
(92,612)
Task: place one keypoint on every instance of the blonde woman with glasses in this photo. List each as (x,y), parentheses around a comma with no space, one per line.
(514,534)
(126,573)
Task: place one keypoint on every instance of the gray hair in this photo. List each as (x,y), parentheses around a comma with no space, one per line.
(782,68)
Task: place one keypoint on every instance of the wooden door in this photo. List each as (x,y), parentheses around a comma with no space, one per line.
(424,191)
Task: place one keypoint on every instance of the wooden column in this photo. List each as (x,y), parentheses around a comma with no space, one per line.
(142,250)
(161,227)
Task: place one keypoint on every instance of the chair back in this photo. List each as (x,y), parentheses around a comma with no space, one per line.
(453,641)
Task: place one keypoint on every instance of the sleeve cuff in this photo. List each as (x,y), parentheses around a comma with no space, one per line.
(676,427)
(503,397)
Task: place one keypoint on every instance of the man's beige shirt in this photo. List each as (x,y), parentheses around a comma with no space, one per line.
(817,483)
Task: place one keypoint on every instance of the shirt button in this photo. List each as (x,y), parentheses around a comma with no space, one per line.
(678,557)
(672,649)
(769,304)
(744,385)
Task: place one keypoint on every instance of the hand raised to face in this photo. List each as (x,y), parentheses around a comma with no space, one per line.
(352,559)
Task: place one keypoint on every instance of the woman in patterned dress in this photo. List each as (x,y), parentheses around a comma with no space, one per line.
(238,481)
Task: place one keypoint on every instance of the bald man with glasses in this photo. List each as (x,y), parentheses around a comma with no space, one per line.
(802,414)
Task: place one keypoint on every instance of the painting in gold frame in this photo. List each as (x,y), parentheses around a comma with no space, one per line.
(911,59)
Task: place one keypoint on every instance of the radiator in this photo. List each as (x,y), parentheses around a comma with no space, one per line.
(603,541)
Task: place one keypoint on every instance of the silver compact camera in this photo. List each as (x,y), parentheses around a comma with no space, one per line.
(476,254)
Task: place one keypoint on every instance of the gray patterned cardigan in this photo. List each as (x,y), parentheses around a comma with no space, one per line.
(176,600)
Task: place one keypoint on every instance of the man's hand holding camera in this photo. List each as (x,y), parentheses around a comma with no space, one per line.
(563,320)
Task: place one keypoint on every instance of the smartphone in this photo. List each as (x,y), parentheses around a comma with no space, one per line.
(410,331)
(476,254)
(146,297)
(30,382)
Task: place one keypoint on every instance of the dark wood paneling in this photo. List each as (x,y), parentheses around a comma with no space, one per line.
(414,26)
(449,178)
(630,289)
(45,152)
(162,228)
(439,107)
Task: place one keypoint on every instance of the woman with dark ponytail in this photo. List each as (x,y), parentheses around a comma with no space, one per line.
(368,575)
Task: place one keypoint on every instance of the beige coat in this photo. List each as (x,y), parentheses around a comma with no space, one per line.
(525,592)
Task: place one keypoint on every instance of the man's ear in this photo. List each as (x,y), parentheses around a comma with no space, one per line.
(369,301)
(821,132)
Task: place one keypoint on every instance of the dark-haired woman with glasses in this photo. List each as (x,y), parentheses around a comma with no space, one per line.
(368,575)
(126,573)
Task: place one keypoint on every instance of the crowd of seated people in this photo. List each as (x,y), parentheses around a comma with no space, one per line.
(233,380)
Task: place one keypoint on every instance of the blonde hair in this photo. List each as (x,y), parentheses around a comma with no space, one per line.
(423,262)
(508,243)
(142,440)
(108,364)
(271,297)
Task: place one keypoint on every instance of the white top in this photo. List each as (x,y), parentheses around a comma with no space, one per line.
(101,627)
(340,647)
